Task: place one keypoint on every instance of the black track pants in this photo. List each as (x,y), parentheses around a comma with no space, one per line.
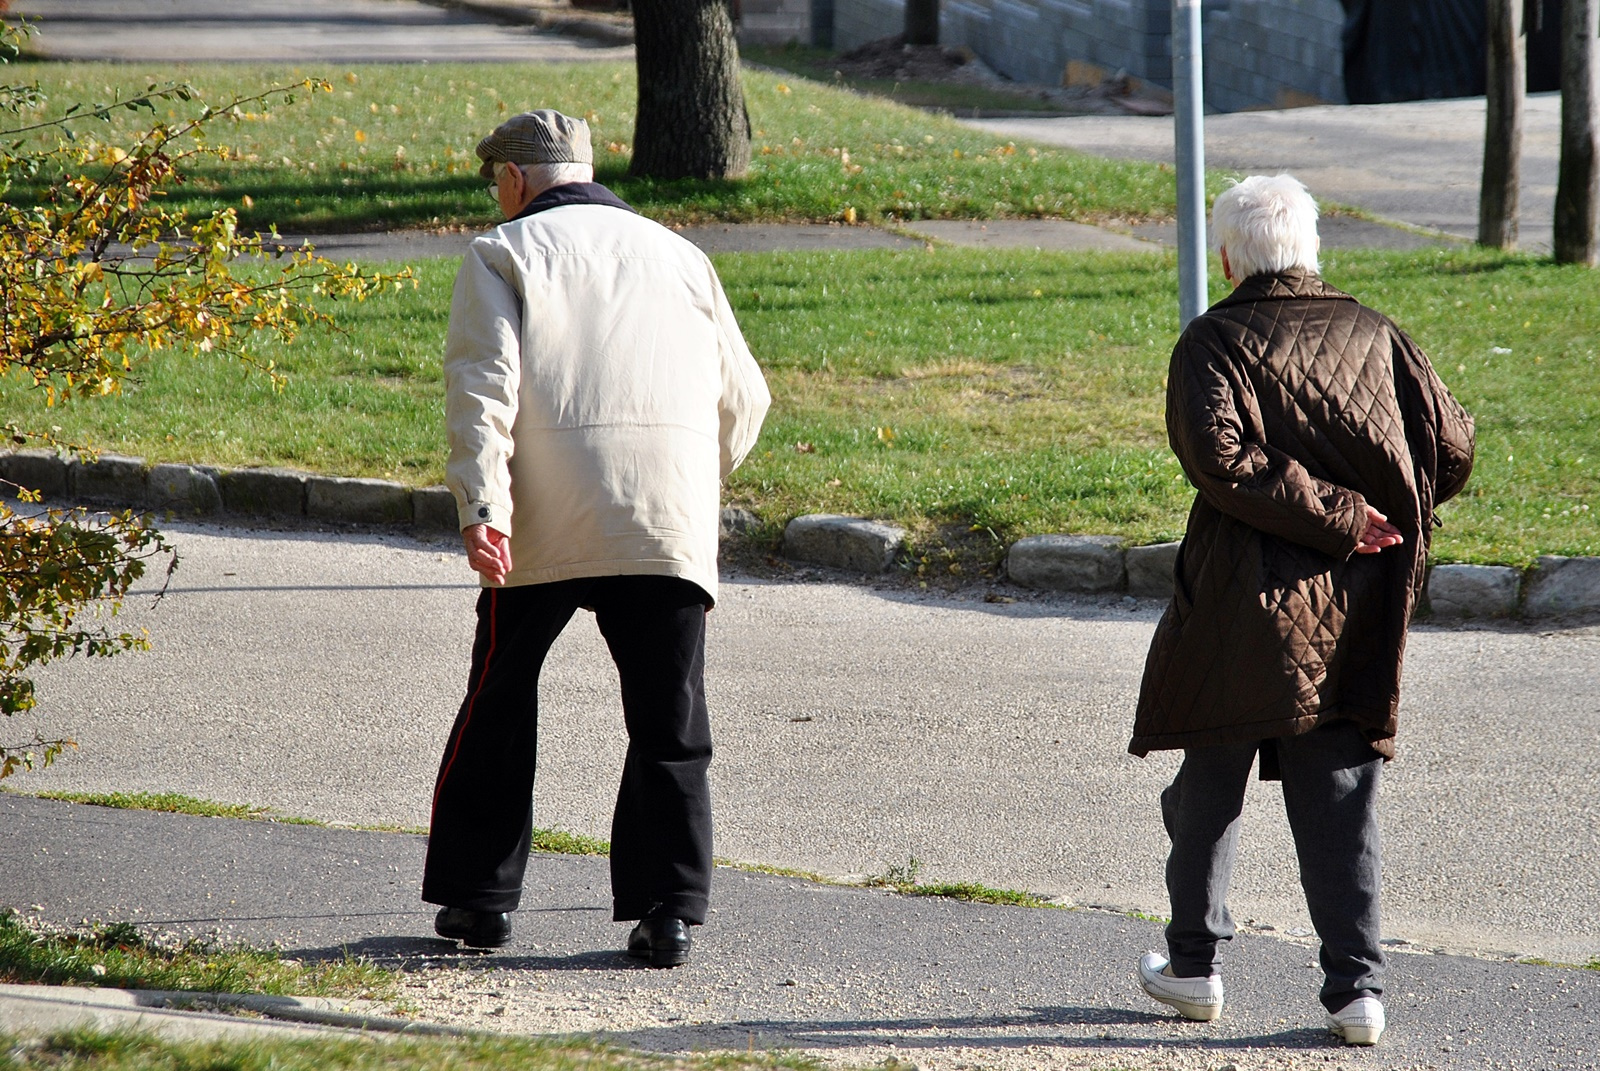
(483,801)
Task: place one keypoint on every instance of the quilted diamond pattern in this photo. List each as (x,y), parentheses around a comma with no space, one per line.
(1292,407)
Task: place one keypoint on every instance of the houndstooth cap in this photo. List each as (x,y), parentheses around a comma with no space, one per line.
(539,137)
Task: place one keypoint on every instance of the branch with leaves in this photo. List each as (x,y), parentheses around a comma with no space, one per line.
(95,274)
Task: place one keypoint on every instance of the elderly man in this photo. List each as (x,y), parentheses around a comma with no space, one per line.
(1320,441)
(597,390)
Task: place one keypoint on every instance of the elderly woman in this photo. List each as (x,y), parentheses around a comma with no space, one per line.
(1320,441)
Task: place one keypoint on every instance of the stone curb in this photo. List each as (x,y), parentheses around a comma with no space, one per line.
(1083,564)
(255,493)
(854,543)
(180,1014)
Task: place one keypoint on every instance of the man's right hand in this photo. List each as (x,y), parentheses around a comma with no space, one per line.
(488,552)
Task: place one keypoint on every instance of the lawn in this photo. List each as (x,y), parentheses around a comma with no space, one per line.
(974,395)
(392,146)
(87,1050)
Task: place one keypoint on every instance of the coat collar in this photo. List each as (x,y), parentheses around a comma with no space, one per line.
(1281,286)
(573,193)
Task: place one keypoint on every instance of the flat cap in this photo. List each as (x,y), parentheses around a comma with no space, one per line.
(539,137)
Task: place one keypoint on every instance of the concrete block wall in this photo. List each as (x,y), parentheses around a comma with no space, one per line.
(775,22)
(1273,54)
(1258,53)
(1031,40)
(1034,40)
(855,22)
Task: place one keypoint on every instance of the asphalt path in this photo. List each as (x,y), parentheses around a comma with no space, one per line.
(1419,162)
(858,727)
(854,975)
(291,31)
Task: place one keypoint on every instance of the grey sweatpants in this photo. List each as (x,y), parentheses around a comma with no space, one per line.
(1330,791)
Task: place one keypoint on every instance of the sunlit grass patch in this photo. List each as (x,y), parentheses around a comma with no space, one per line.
(392,146)
(122,955)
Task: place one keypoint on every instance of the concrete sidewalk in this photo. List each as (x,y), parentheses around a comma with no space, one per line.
(853,975)
(292,31)
(857,727)
(1418,162)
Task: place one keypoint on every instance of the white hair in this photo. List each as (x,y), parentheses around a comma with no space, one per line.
(541,177)
(1267,223)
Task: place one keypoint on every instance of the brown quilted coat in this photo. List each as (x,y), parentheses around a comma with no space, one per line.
(1291,407)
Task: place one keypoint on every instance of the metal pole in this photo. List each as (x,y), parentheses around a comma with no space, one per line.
(1189,152)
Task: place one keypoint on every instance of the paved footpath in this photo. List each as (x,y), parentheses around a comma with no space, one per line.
(1418,162)
(853,975)
(857,727)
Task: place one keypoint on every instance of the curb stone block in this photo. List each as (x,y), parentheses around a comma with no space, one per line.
(184,489)
(434,509)
(272,492)
(737,522)
(114,480)
(853,543)
(1151,570)
(1563,586)
(357,501)
(1081,563)
(38,470)
(1473,590)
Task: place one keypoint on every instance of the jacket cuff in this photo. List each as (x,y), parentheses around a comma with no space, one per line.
(496,517)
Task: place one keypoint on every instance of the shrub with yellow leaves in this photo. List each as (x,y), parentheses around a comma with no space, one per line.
(94,274)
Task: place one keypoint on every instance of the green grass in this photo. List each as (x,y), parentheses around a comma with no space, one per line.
(169,802)
(119,955)
(974,395)
(86,1050)
(558,841)
(392,146)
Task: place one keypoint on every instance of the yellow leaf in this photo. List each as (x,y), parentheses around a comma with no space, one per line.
(361,135)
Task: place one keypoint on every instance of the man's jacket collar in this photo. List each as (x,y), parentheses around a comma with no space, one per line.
(1280,286)
(573,193)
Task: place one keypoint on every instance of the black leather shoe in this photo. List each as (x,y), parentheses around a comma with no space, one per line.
(664,942)
(475,929)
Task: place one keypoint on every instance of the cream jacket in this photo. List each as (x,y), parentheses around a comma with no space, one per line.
(597,392)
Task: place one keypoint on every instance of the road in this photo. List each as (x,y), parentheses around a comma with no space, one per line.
(291,31)
(858,727)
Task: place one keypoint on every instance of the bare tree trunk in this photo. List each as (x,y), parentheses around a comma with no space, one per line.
(1502,139)
(1578,184)
(691,121)
(922,22)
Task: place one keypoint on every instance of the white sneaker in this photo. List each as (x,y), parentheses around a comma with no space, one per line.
(1360,1022)
(1199,999)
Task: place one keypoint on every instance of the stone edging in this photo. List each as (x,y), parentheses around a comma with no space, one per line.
(1082,564)
(1096,564)
(261,494)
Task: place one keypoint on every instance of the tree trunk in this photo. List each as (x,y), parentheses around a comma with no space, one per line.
(1578,183)
(691,121)
(922,22)
(1502,139)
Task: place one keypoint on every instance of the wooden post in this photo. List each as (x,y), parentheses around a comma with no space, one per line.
(1502,137)
(1578,182)
(922,22)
